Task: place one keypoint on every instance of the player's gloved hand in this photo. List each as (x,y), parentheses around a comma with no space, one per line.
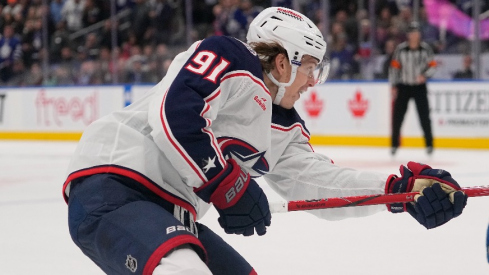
(440,198)
(240,202)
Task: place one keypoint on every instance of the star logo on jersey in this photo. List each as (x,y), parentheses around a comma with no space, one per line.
(209,163)
(249,160)
(245,155)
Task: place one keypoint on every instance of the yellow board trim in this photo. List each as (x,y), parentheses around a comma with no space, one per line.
(61,136)
(469,143)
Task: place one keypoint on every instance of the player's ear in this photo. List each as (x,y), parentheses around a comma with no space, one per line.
(281,63)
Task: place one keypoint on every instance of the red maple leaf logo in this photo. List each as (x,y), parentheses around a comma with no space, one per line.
(313,105)
(359,105)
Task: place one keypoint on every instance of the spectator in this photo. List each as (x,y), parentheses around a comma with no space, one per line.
(404,18)
(364,46)
(106,35)
(343,65)
(151,69)
(141,22)
(10,51)
(135,73)
(222,14)
(32,41)
(87,75)
(55,8)
(390,46)
(59,39)
(149,51)
(34,76)
(124,4)
(13,8)
(165,65)
(162,20)
(203,17)
(105,66)
(385,18)
(72,13)
(162,52)
(430,33)
(36,4)
(466,72)
(350,25)
(396,34)
(135,52)
(237,25)
(66,70)
(337,30)
(91,48)
(383,23)
(13,14)
(92,13)
(17,78)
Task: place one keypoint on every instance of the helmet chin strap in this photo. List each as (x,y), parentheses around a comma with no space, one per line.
(281,85)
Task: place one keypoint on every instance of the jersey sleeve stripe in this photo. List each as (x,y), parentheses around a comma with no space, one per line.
(290,128)
(214,144)
(227,141)
(246,74)
(175,144)
(213,96)
(207,107)
(312,149)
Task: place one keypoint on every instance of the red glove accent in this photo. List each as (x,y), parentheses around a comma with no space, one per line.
(225,189)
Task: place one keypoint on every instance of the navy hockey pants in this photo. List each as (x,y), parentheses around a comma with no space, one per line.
(126,229)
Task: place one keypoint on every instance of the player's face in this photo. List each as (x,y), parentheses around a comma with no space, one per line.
(303,80)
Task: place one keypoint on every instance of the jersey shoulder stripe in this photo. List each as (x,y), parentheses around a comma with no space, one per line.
(288,119)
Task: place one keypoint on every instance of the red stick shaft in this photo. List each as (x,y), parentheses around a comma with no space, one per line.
(476,191)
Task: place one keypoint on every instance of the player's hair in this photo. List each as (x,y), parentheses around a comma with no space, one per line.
(267,51)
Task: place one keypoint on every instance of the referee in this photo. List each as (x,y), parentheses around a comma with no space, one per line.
(412,63)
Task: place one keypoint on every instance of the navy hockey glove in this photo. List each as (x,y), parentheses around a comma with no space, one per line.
(240,202)
(440,197)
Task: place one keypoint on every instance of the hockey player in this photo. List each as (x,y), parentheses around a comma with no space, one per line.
(141,178)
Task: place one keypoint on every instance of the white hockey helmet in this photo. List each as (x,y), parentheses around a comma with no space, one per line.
(297,34)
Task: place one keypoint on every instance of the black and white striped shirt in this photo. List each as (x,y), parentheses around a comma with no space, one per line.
(407,64)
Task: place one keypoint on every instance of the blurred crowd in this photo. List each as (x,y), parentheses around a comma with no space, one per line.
(76,46)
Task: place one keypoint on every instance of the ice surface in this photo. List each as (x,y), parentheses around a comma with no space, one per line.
(34,235)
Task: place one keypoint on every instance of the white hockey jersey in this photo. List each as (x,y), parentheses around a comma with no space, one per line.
(213,105)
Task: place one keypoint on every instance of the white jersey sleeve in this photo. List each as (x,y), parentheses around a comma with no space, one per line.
(298,173)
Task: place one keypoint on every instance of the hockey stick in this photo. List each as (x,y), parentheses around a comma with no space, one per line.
(282,207)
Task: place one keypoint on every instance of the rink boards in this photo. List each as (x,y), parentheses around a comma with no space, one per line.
(336,113)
